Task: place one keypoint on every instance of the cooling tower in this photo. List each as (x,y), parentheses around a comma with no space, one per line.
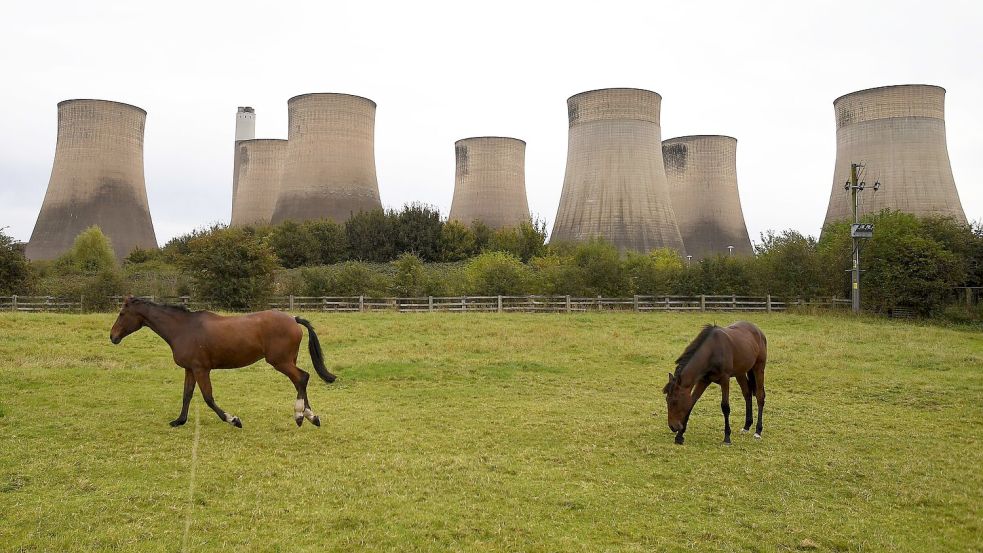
(260,169)
(615,184)
(96,179)
(898,133)
(490,181)
(702,173)
(245,130)
(329,171)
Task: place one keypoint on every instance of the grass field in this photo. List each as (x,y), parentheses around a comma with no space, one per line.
(494,432)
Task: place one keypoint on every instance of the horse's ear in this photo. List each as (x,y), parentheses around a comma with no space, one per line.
(128,299)
(670,377)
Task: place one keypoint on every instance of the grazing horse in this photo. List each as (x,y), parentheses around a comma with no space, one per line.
(202,341)
(740,350)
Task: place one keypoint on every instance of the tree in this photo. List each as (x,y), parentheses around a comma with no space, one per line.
(411,278)
(294,245)
(418,231)
(457,242)
(788,265)
(90,253)
(330,240)
(652,274)
(231,268)
(15,272)
(371,236)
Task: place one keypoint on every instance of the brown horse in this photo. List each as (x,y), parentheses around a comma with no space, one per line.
(716,355)
(202,341)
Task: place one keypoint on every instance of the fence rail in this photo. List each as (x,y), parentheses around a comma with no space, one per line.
(489,304)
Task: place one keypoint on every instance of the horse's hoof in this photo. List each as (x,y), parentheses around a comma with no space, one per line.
(757,436)
(727,443)
(745,430)
(299,420)
(679,441)
(236,422)
(316,421)
(177,422)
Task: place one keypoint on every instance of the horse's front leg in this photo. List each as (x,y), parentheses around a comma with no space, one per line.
(205,383)
(698,390)
(725,407)
(189,390)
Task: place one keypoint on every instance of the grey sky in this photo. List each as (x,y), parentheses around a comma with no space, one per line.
(763,72)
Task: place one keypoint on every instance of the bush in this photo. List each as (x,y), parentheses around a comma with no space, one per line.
(91,253)
(411,278)
(371,236)
(294,245)
(788,265)
(496,273)
(231,268)
(348,279)
(457,242)
(15,272)
(330,240)
(418,231)
(654,274)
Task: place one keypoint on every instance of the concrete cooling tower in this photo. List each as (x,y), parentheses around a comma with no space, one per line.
(490,181)
(702,173)
(898,133)
(329,171)
(615,185)
(96,179)
(260,169)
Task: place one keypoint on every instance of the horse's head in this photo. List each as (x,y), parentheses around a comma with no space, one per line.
(128,321)
(678,401)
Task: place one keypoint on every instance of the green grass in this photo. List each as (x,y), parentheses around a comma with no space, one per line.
(494,432)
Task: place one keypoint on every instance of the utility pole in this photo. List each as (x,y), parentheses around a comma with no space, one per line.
(857,231)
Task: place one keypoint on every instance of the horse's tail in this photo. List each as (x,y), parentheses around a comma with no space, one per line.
(751,382)
(314,347)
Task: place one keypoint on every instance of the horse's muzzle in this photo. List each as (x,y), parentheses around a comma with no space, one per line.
(115,339)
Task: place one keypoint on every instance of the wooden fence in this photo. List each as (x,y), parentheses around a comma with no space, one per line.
(499,304)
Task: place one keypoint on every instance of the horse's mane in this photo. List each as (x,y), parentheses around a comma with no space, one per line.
(181,308)
(693,347)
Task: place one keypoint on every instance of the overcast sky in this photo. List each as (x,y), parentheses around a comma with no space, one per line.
(764,72)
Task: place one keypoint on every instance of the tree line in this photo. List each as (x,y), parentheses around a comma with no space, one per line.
(912,262)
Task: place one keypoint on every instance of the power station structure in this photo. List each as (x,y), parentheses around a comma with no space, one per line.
(245,130)
(490,181)
(96,179)
(615,185)
(329,170)
(702,174)
(897,133)
(259,169)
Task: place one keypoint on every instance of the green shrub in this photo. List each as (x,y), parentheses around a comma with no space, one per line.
(411,278)
(457,242)
(231,268)
(788,265)
(653,274)
(496,273)
(418,230)
(294,245)
(90,253)
(330,240)
(371,236)
(15,271)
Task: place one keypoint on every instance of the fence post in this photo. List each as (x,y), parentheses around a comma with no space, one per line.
(703,302)
(430,303)
(290,301)
(568,303)
(733,302)
(969,298)
(81,298)
(499,303)
(14,302)
(635,302)
(768,303)
(598,302)
(361,304)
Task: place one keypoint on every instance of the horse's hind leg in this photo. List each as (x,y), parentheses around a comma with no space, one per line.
(759,392)
(725,407)
(205,383)
(302,407)
(746,392)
